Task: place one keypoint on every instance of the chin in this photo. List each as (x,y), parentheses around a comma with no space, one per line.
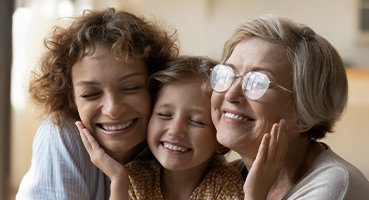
(225,139)
(123,145)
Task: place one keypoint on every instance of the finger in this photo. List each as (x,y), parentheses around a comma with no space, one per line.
(261,156)
(85,141)
(94,144)
(282,141)
(281,129)
(79,125)
(273,142)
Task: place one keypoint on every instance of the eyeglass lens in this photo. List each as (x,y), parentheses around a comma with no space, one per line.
(254,84)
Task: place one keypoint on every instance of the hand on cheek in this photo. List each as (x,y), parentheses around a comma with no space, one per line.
(112,168)
(267,165)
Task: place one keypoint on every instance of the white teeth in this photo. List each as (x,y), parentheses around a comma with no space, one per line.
(118,127)
(174,148)
(234,116)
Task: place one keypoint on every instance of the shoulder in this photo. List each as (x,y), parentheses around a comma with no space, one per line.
(143,169)
(63,138)
(222,181)
(345,176)
(331,177)
(48,131)
(66,127)
(144,177)
(240,166)
(225,176)
(225,172)
(60,165)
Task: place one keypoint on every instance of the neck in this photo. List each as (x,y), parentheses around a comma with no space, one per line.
(300,156)
(248,155)
(299,160)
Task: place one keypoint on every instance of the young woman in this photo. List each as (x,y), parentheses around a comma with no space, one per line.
(95,70)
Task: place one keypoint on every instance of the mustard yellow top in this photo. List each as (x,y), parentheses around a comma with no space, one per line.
(220,182)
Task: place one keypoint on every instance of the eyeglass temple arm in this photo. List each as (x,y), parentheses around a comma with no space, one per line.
(283,88)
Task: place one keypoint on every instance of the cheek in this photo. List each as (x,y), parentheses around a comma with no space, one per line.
(208,137)
(270,112)
(216,101)
(206,144)
(85,111)
(262,126)
(283,107)
(143,104)
(154,133)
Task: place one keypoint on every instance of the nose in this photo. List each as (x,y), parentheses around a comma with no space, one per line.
(177,128)
(113,106)
(234,93)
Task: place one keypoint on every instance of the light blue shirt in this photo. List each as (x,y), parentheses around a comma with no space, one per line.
(61,167)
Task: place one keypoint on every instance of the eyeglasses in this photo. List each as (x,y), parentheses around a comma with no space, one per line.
(254,84)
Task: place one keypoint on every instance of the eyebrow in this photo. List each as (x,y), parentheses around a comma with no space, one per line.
(257,68)
(196,110)
(124,77)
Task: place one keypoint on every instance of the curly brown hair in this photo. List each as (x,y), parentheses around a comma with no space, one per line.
(127,36)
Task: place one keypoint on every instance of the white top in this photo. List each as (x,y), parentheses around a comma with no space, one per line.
(61,167)
(331,178)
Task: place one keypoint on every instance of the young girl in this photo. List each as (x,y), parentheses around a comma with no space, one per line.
(181,135)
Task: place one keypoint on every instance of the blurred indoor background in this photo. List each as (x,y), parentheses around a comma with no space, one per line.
(203,26)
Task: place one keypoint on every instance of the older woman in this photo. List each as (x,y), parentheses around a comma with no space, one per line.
(276,69)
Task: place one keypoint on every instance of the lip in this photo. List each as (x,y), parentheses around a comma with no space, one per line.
(181,149)
(235,117)
(117,128)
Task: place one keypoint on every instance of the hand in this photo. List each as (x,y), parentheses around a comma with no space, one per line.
(268,163)
(112,168)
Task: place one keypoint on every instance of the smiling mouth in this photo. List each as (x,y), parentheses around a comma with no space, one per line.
(173,147)
(237,117)
(117,127)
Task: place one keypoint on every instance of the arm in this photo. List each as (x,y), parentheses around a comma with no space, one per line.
(116,172)
(267,165)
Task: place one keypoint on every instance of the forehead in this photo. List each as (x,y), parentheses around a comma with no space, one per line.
(258,53)
(102,66)
(187,94)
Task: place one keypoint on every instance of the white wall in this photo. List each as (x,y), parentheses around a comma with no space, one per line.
(351,138)
(204,25)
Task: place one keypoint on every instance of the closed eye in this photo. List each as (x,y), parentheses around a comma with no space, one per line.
(164,115)
(132,88)
(90,95)
(197,122)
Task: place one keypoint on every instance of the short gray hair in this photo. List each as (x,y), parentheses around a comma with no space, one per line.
(319,77)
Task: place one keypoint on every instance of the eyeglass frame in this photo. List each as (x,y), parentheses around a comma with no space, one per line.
(236,76)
